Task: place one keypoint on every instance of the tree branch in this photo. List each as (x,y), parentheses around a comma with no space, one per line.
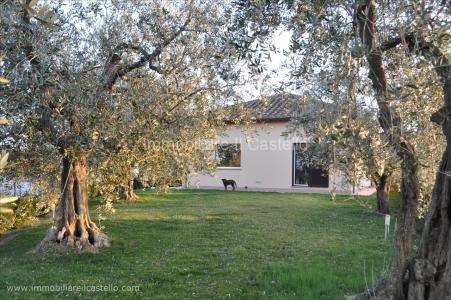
(441,63)
(115,70)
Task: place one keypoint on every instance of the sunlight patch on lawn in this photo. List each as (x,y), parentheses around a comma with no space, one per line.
(160,216)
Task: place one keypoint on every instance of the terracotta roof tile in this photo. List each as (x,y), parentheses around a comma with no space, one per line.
(279,107)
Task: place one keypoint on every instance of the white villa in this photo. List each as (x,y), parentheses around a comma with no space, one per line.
(259,157)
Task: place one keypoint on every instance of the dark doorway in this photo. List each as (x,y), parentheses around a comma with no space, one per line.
(318,178)
(304,171)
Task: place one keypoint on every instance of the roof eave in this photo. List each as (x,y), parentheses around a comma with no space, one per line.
(263,120)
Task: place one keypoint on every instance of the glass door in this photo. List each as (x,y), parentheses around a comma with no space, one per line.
(300,164)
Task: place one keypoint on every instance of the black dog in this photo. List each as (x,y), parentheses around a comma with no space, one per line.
(227,182)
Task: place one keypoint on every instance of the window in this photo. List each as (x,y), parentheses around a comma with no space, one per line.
(228,155)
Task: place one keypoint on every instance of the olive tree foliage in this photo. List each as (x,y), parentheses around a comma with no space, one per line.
(402,48)
(95,83)
(345,136)
(167,138)
(417,94)
(5,211)
(20,211)
(351,130)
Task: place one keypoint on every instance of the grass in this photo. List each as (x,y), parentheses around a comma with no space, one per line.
(214,245)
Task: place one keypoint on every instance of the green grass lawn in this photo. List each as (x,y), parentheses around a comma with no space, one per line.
(214,245)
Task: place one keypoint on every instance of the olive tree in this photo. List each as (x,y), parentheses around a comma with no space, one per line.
(385,38)
(71,63)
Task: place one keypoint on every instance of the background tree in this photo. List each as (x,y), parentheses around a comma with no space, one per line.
(345,137)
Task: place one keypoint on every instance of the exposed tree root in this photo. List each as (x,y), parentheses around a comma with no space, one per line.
(72,226)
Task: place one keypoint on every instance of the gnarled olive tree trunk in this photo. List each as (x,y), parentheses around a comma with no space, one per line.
(406,218)
(382,193)
(72,226)
(429,274)
(127,192)
(390,122)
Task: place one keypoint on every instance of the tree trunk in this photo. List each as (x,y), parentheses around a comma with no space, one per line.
(333,191)
(382,194)
(72,226)
(406,219)
(429,274)
(390,121)
(127,192)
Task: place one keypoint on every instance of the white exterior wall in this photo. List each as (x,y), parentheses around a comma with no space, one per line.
(266,160)
(14,188)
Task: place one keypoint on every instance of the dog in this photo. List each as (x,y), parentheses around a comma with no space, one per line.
(228,182)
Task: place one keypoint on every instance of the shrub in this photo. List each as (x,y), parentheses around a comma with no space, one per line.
(26,210)
(6,222)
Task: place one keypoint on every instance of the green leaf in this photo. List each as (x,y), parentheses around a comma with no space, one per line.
(414,86)
(3,80)
(357,52)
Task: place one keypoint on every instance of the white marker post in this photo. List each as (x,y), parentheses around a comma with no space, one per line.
(387,226)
